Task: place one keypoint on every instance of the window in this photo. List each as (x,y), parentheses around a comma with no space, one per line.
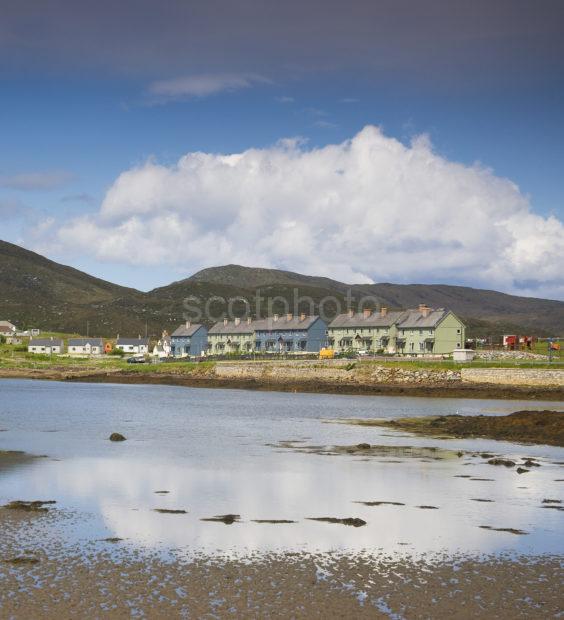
(458,331)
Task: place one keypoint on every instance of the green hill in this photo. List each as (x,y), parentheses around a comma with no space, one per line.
(37,292)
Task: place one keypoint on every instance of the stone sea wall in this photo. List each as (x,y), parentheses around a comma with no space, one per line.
(514,376)
(336,372)
(351,373)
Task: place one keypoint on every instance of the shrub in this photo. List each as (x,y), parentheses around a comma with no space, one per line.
(117,352)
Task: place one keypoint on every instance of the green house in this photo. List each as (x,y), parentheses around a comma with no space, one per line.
(235,336)
(428,331)
(365,331)
(421,331)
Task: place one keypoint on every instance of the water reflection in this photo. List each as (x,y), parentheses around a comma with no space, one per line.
(208,448)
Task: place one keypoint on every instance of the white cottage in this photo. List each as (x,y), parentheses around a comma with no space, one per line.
(85,346)
(47,346)
(163,348)
(133,345)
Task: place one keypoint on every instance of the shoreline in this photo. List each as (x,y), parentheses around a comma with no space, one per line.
(206,380)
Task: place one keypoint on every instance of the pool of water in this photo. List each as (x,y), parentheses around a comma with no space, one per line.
(216,451)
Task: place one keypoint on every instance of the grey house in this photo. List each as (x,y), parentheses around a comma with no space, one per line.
(85,346)
(47,346)
(276,334)
(290,334)
(189,339)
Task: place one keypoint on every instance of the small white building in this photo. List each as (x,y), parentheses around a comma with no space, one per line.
(85,346)
(133,345)
(163,348)
(47,346)
(7,328)
(463,355)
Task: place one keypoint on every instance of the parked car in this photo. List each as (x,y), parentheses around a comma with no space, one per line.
(136,360)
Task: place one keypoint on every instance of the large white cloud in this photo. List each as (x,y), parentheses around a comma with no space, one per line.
(369,209)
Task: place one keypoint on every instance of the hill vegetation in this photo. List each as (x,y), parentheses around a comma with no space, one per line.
(38,292)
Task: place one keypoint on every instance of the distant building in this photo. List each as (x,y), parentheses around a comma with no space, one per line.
(47,346)
(290,334)
(231,336)
(430,331)
(163,347)
(189,339)
(365,331)
(7,328)
(133,345)
(85,346)
(13,340)
(276,334)
(421,331)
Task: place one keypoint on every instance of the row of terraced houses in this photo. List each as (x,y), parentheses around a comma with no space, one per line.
(414,332)
(421,331)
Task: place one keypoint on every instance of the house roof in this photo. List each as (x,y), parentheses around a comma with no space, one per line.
(415,319)
(82,342)
(404,319)
(231,327)
(374,320)
(283,323)
(45,342)
(185,330)
(133,341)
(7,324)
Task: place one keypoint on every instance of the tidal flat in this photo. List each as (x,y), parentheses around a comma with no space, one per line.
(233,503)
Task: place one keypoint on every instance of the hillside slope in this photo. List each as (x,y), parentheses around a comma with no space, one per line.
(37,292)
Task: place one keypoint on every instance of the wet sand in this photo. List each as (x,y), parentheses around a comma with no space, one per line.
(108,578)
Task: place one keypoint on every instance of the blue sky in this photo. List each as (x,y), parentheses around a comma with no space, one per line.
(82,103)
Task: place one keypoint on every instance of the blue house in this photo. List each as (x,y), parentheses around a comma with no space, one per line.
(289,333)
(189,339)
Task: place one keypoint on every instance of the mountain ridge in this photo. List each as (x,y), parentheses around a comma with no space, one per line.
(38,292)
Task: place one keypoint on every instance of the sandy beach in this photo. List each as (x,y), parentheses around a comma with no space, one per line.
(107,578)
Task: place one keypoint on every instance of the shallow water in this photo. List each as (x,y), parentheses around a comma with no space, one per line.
(216,452)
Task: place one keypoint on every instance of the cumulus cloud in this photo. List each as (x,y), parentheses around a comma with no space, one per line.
(36,181)
(368,209)
(191,86)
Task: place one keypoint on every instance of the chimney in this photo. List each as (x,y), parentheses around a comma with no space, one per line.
(366,312)
(225,321)
(302,316)
(237,320)
(289,316)
(350,313)
(188,324)
(424,309)
(275,317)
(249,320)
(383,311)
